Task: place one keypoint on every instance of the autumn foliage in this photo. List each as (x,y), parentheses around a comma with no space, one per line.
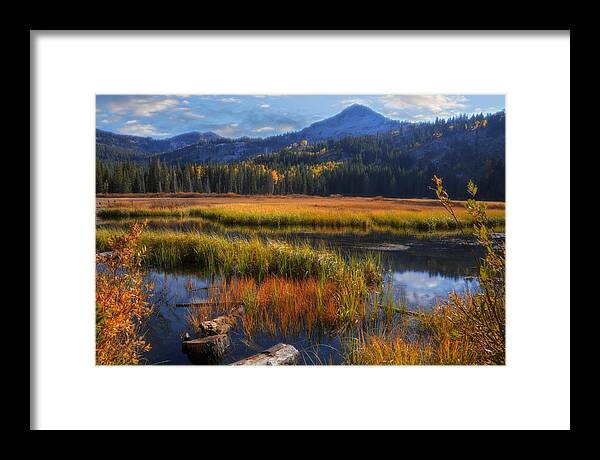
(122,301)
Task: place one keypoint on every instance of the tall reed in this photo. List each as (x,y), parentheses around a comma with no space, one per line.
(283,306)
(254,257)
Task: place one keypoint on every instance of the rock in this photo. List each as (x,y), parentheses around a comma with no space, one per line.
(277,355)
(220,325)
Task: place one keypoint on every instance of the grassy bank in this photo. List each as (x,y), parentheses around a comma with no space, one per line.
(404,219)
(217,254)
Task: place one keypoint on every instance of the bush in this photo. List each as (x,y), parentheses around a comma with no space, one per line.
(121,301)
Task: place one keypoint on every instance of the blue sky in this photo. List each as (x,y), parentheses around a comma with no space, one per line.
(268,115)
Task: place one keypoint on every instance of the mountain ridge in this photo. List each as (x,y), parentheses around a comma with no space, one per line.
(147,146)
(202,147)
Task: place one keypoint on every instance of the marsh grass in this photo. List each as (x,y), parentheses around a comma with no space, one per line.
(231,256)
(421,220)
(282,306)
(425,338)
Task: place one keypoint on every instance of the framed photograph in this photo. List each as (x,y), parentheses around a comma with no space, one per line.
(341,207)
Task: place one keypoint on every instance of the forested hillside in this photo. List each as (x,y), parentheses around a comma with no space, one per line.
(117,147)
(391,162)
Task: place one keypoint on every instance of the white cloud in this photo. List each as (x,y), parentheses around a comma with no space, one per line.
(140,129)
(433,103)
(227,131)
(264,106)
(264,129)
(193,115)
(142,106)
(347,102)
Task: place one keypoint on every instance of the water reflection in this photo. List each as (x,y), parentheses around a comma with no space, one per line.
(421,289)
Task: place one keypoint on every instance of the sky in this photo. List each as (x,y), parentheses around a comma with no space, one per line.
(267,115)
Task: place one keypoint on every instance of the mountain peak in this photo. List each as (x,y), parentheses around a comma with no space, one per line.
(354,120)
(358,109)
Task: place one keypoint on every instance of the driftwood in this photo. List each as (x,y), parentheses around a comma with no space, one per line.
(277,355)
(207,303)
(205,288)
(217,326)
(207,350)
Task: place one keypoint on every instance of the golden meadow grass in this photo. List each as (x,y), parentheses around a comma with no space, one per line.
(430,220)
(299,211)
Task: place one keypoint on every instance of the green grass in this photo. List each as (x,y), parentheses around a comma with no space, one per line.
(228,256)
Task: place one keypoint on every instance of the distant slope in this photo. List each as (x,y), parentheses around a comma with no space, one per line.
(356,120)
(112,146)
(441,142)
(227,150)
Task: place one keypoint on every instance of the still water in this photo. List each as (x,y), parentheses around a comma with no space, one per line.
(419,270)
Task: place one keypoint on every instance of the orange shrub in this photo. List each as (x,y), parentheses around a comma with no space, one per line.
(121,301)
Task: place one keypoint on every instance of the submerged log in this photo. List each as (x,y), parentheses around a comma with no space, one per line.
(207,350)
(217,326)
(277,355)
(207,303)
(205,288)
